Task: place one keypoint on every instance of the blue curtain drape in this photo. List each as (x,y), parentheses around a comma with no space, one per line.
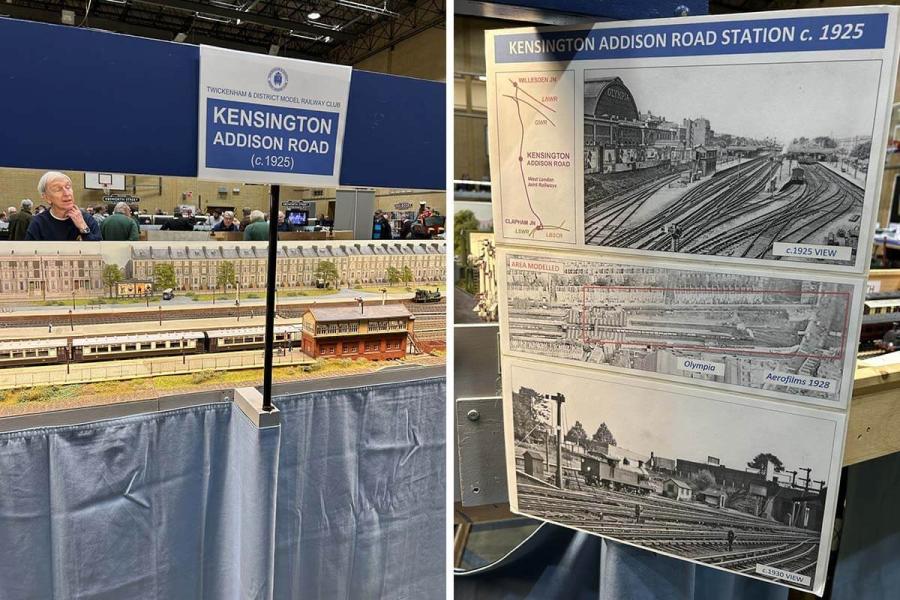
(345,499)
(361,494)
(168,505)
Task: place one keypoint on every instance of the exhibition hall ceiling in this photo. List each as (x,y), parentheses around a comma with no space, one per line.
(340,31)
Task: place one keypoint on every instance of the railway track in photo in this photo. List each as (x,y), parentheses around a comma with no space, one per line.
(729,214)
(687,529)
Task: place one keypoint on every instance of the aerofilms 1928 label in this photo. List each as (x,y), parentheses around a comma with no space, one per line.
(782,574)
(805,382)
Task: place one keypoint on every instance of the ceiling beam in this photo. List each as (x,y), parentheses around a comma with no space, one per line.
(250,17)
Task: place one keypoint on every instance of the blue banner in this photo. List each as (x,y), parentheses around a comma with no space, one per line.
(246,136)
(799,34)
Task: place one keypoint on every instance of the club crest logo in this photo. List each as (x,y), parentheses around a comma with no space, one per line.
(277,79)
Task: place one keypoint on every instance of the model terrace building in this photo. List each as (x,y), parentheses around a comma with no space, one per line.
(373,332)
(24,275)
(196,268)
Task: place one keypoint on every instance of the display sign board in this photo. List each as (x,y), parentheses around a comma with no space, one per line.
(683,213)
(125,199)
(266,119)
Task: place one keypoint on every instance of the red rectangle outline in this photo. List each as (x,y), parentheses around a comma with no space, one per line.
(735,351)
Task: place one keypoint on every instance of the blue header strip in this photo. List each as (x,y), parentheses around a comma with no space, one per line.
(800,34)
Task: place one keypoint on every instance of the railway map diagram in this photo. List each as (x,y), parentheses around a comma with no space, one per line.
(782,178)
(670,471)
(781,337)
(536,112)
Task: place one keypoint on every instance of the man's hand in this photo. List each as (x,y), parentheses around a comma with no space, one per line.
(77,218)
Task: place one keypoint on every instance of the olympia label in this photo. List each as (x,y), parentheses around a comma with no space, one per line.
(782,574)
(815,251)
(700,366)
(804,382)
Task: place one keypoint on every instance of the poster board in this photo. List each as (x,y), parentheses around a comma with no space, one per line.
(683,212)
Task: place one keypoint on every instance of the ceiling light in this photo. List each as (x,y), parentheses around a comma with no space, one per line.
(327,39)
(313,16)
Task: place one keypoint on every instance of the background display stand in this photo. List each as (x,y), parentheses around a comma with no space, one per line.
(874,421)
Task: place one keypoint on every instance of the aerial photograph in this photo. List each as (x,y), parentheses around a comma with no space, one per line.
(780,336)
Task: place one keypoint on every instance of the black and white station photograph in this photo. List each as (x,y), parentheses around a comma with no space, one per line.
(781,336)
(749,161)
(669,471)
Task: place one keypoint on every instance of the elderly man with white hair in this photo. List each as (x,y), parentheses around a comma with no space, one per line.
(258,229)
(119,226)
(63,221)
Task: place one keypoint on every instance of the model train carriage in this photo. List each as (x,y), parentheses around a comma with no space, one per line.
(33,352)
(252,338)
(119,347)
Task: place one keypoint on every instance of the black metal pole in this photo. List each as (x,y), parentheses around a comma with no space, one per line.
(268,357)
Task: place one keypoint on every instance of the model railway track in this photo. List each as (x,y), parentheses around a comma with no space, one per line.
(225,309)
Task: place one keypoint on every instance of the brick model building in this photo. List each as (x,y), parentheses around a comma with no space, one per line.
(375,332)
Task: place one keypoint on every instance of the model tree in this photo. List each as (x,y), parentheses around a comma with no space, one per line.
(531,416)
(761,460)
(463,222)
(225,275)
(604,436)
(704,480)
(112,275)
(327,271)
(406,275)
(164,276)
(577,435)
(393,275)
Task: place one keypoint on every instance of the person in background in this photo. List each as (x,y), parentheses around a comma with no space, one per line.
(63,221)
(99,214)
(283,223)
(227,223)
(119,226)
(20,221)
(381,228)
(258,229)
(4,221)
(183,223)
(246,220)
(214,219)
(40,209)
